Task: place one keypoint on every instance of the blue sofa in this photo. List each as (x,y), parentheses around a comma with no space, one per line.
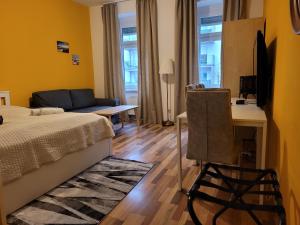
(73,100)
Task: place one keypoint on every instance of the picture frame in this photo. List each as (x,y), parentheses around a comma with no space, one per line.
(63,47)
(75,59)
(295,15)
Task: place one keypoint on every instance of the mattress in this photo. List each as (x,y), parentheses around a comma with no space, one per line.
(28,142)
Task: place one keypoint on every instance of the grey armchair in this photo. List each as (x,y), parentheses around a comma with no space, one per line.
(210,126)
(211,139)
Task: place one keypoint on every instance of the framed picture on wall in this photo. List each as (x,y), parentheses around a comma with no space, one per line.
(75,59)
(295,15)
(63,47)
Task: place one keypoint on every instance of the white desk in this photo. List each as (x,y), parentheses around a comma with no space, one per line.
(242,115)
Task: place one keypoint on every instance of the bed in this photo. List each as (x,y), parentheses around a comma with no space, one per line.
(37,153)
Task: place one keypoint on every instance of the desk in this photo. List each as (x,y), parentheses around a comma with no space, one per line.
(242,115)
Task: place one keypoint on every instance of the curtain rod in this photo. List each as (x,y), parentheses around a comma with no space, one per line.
(116,1)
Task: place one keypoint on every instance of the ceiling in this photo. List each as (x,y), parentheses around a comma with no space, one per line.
(94,2)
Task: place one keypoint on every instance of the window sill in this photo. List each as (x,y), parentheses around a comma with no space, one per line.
(131,91)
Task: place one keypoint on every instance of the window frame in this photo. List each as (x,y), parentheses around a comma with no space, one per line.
(206,37)
(124,45)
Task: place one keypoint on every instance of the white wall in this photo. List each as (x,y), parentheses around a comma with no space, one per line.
(206,10)
(256,8)
(127,13)
(166,36)
(166,42)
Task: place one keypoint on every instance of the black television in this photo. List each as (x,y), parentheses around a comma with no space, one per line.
(263,73)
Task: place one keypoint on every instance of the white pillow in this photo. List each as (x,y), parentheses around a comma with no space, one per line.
(46,111)
(11,112)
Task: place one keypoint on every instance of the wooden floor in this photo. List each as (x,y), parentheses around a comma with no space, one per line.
(155,199)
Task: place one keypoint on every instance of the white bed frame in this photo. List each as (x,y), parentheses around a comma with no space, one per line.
(4,98)
(32,185)
(18,193)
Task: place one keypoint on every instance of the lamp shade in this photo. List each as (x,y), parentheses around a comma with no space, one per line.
(166,67)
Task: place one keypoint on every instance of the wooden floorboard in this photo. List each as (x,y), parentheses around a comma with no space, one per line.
(155,200)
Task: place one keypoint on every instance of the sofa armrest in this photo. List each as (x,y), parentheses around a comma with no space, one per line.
(107,101)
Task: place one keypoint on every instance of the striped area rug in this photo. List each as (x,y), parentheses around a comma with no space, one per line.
(86,198)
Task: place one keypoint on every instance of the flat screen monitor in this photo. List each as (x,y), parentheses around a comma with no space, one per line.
(247,86)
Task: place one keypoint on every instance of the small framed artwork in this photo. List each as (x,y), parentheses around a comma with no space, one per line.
(295,15)
(63,47)
(75,59)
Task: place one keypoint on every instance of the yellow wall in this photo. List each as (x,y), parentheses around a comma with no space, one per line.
(284,135)
(29,61)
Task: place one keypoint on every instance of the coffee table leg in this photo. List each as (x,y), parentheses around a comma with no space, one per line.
(123,118)
(137,116)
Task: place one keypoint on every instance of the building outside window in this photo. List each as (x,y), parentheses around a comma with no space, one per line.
(209,42)
(130,59)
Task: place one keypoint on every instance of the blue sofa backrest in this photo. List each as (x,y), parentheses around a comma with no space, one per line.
(66,99)
(54,98)
(82,98)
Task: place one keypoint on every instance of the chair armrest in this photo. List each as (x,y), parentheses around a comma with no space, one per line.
(107,101)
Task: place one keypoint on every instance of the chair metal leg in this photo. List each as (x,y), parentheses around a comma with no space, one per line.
(192,211)
(238,196)
(237,201)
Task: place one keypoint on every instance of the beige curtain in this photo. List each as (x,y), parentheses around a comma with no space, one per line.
(186,50)
(113,76)
(235,10)
(149,93)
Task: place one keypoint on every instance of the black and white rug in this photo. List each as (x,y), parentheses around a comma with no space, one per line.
(86,198)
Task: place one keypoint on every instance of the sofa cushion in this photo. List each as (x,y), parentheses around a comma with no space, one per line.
(82,98)
(54,98)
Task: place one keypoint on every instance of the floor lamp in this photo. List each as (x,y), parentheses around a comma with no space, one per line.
(167,69)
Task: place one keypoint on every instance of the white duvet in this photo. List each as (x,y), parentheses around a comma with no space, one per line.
(28,142)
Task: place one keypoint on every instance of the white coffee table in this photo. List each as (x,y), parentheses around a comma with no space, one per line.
(121,109)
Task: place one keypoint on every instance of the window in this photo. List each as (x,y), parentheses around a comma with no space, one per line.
(209,42)
(130,59)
